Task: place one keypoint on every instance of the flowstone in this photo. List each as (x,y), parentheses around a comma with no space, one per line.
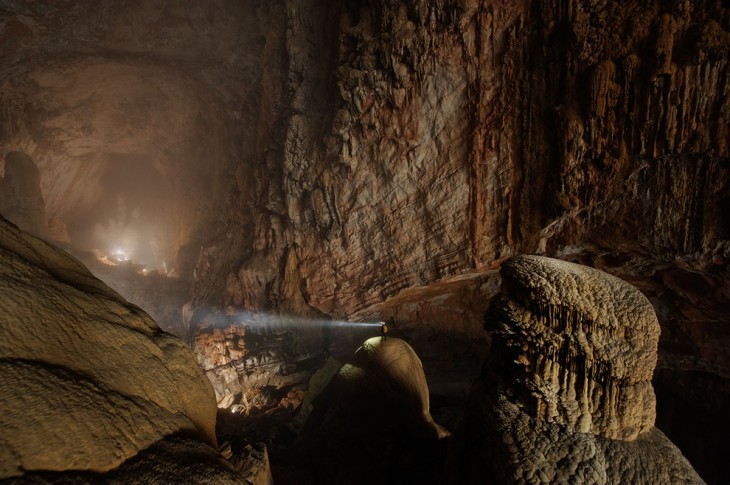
(566,393)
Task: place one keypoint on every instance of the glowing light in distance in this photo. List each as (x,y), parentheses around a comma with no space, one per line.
(120,255)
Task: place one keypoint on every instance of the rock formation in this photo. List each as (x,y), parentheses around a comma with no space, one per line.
(21,201)
(255,361)
(89,384)
(322,157)
(566,395)
(372,423)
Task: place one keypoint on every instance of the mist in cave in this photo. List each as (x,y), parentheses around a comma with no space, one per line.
(366,242)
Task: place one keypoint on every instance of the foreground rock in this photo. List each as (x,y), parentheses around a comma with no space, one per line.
(372,423)
(567,395)
(89,383)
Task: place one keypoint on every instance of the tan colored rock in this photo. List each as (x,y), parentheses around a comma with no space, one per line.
(172,460)
(254,360)
(88,380)
(566,394)
(393,362)
(584,345)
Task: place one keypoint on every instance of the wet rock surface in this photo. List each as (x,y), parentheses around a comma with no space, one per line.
(566,393)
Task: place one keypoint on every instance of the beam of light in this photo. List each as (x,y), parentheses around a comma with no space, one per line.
(267,320)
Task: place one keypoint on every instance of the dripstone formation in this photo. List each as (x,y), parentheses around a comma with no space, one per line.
(566,395)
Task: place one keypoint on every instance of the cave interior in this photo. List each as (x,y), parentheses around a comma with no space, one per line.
(273,181)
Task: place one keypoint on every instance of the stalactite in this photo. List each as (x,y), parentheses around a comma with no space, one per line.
(553,323)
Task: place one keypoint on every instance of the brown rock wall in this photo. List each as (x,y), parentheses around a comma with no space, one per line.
(387,144)
(475,126)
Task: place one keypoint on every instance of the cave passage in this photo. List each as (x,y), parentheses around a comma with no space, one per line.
(275,183)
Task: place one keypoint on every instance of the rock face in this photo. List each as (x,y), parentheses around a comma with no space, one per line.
(21,201)
(89,382)
(478,124)
(566,395)
(256,361)
(586,343)
(372,423)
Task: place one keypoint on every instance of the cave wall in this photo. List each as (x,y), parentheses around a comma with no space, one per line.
(327,156)
(138,114)
(428,138)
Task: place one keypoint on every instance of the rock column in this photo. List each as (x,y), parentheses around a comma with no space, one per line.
(566,394)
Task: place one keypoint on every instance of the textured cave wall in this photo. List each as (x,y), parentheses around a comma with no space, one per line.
(151,124)
(428,138)
(327,156)
(431,138)
(139,115)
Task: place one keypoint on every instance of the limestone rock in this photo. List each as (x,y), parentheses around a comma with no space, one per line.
(372,424)
(584,344)
(566,395)
(172,460)
(254,361)
(88,380)
(385,144)
(443,323)
(21,201)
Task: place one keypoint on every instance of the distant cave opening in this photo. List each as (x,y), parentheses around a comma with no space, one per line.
(131,219)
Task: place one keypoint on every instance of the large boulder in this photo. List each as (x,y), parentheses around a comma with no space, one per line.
(372,423)
(566,394)
(88,382)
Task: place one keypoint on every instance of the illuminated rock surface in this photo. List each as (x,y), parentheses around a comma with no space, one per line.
(566,394)
(88,382)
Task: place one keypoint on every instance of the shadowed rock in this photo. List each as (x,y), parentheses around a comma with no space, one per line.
(372,424)
(21,201)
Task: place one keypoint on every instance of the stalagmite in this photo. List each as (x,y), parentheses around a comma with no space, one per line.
(566,395)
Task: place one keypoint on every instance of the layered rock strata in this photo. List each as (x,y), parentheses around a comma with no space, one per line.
(566,394)
(89,383)
(256,361)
